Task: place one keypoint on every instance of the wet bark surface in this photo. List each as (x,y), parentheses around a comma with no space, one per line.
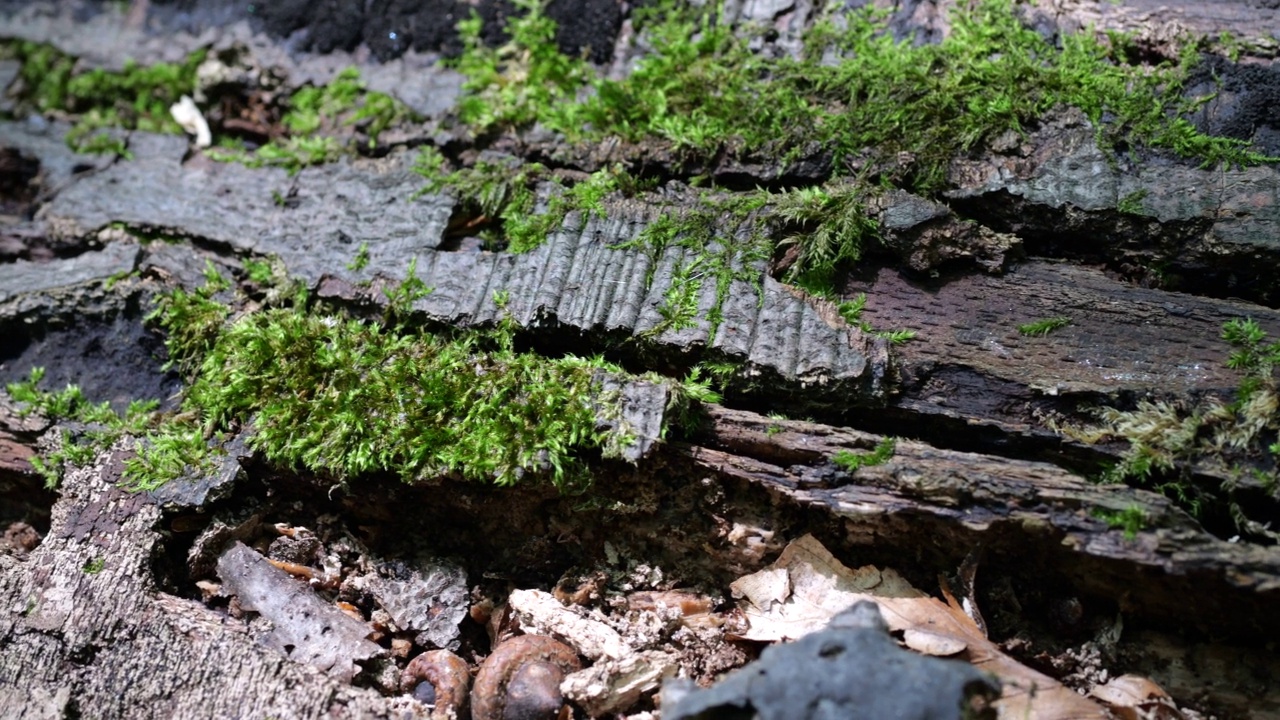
(112,612)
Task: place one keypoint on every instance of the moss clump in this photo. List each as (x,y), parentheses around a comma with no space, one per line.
(97,426)
(499,197)
(523,81)
(344,397)
(1043,326)
(134,98)
(852,461)
(314,116)
(348,397)
(1132,519)
(1167,440)
(855,92)
(193,321)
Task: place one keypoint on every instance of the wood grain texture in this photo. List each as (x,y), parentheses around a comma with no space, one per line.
(108,644)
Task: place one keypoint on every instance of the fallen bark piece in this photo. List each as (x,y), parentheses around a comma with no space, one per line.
(614,686)
(106,643)
(428,597)
(305,628)
(22,277)
(539,612)
(818,587)
(852,669)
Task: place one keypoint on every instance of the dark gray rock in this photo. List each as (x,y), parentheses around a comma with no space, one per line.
(849,671)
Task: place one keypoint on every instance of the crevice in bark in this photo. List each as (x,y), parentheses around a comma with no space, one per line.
(1174,255)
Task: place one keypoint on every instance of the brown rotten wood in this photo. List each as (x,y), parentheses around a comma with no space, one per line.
(1171,571)
(971,379)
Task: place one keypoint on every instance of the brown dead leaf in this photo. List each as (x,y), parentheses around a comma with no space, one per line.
(931,643)
(807,585)
(1132,697)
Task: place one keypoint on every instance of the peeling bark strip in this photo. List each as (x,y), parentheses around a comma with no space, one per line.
(1012,508)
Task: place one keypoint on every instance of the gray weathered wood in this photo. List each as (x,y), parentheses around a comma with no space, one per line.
(106,643)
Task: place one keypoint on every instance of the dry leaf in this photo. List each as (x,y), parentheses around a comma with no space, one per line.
(1132,697)
(931,643)
(817,586)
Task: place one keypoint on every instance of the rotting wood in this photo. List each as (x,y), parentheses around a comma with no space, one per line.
(988,383)
(104,643)
(965,500)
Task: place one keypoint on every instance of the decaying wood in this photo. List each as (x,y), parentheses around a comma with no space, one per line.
(85,632)
(89,628)
(965,500)
(971,367)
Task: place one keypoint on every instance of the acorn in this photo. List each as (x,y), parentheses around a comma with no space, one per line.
(521,680)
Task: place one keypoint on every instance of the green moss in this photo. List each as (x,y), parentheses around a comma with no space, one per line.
(104,144)
(901,112)
(193,321)
(361,260)
(1044,326)
(851,312)
(523,81)
(1132,519)
(259,271)
(97,425)
(830,228)
(1253,355)
(684,408)
(500,197)
(174,448)
(313,116)
(345,397)
(1132,203)
(95,566)
(852,461)
(722,237)
(1166,441)
(912,107)
(134,98)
